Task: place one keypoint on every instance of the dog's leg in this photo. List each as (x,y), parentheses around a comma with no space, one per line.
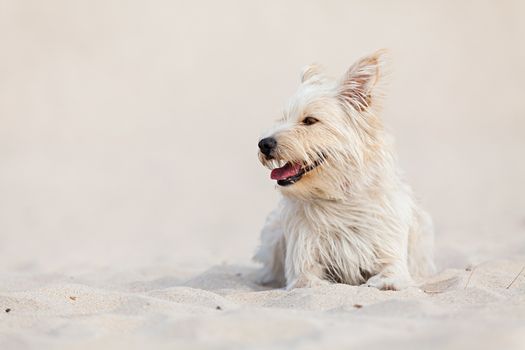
(414,257)
(302,262)
(394,273)
(310,277)
(271,252)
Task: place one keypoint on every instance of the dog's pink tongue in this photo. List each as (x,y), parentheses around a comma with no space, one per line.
(286,171)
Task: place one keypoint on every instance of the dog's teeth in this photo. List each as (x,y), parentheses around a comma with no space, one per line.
(275,163)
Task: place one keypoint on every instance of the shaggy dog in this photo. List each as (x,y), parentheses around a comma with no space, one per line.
(346,215)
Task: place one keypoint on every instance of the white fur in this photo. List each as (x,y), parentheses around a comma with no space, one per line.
(352,219)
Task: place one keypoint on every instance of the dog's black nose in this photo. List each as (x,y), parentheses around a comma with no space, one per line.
(267,145)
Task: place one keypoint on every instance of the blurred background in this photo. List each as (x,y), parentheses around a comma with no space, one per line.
(128,129)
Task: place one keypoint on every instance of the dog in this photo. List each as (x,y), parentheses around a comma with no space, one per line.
(346,215)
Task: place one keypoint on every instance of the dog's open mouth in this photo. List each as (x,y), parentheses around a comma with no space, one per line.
(292,172)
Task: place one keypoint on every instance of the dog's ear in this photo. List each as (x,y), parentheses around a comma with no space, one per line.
(357,85)
(312,72)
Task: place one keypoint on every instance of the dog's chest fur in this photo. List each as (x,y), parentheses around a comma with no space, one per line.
(341,238)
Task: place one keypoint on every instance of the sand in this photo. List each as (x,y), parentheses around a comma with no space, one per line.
(131,198)
(223,308)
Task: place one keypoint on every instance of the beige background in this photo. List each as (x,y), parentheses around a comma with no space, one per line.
(128,129)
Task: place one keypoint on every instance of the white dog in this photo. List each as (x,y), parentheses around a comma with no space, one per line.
(346,215)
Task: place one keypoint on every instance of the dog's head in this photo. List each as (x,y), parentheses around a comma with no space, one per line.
(328,132)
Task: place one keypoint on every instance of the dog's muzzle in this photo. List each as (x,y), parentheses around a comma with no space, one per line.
(291,171)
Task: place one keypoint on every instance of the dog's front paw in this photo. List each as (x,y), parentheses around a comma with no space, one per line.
(306,282)
(389,283)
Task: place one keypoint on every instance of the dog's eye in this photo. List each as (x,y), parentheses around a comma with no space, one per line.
(309,121)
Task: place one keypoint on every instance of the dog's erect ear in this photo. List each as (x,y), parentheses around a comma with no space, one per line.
(311,72)
(359,81)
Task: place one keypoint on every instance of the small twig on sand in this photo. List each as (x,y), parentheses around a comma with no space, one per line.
(515,278)
(470,276)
